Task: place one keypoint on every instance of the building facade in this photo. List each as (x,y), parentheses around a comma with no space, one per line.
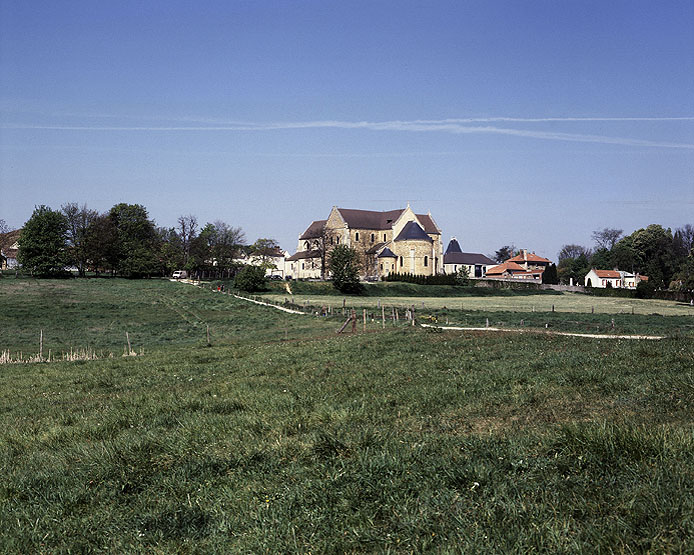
(395,241)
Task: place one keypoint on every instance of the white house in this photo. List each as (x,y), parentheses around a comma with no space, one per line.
(613,278)
(454,259)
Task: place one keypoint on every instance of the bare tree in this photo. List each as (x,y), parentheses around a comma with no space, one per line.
(79,218)
(4,228)
(607,237)
(573,251)
(187,231)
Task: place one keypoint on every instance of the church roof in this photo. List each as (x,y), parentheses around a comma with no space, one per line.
(302,255)
(372,219)
(453,247)
(387,253)
(413,232)
(369,219)
(314,230)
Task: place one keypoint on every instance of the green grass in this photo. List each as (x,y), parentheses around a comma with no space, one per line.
(398,440)
(562,302)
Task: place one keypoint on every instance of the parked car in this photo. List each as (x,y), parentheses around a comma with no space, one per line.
(275,277)
(180,274)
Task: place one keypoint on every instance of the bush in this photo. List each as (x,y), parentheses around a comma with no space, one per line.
(345,270)
(645,290)
(250,279)
(438,279)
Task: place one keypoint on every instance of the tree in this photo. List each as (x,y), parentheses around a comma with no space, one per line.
(550,276)
(137,240)
(601,259)
(4,228)
(250,278)
(573,269)
(187,231)
(573,251)
(265,250)
(607,237)
(78,220)
(225,244)
(462,276)
(344,267)
(101,244)
(43,243)
(171,253)
(504,253)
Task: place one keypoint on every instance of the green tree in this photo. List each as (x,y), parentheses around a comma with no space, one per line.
(462,276)
(43,243)
(550,276)
(137,240)
(573,268)
(265,250)
(601,259)
(504,253)
(101,244)
(250,278)
(344,267)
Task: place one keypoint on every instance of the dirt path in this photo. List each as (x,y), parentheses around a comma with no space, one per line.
(570,334)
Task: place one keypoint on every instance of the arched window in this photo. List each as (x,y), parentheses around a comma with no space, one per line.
(426,261)
(373,237)
(338,240)
(356,236)
(331,240)
(402,261)
(384,237)
(307,245)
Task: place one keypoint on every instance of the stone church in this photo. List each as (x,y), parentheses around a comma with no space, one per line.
(396,241)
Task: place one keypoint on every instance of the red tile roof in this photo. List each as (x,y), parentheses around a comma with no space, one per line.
(507,266)
(530,257)
(608,274)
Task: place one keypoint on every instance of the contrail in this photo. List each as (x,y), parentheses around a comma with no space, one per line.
(454,126)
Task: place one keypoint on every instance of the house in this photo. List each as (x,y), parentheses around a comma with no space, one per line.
(9,247)
(275,261)
(513,270)
(524,265)
(613,278)
(394,241)
(530,261)
(454,259)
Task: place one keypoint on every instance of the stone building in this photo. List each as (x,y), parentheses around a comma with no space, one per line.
(396,241)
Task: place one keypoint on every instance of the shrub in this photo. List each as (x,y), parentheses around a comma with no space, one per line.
(645,290)
(345,270)
(250,278)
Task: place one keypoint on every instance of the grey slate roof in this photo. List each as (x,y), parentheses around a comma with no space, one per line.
(413,232)
(314,230)
(453,246)
(387,253)
(302,255)
(470,258)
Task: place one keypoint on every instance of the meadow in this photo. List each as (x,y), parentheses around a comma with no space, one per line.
(283,436)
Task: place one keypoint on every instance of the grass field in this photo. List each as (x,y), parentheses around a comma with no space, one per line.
(283,436)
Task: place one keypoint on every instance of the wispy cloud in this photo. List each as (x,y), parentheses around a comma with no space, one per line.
(458,126)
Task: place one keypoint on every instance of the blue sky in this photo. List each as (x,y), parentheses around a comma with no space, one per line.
(532,123)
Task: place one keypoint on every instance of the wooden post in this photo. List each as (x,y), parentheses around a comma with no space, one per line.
(41,345)
(127,337)
(208,336)
(364,318)
(552,308)
(383,316)
(592,310)
(354,321)
(486,325)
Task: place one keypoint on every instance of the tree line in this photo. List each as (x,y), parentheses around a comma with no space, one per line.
(667,258)
(124,241)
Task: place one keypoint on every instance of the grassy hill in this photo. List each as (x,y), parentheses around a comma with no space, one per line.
(283,436)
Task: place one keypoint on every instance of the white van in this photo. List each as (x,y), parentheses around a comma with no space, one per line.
(180,274)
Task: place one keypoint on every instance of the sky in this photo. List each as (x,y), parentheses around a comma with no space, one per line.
(524,123)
